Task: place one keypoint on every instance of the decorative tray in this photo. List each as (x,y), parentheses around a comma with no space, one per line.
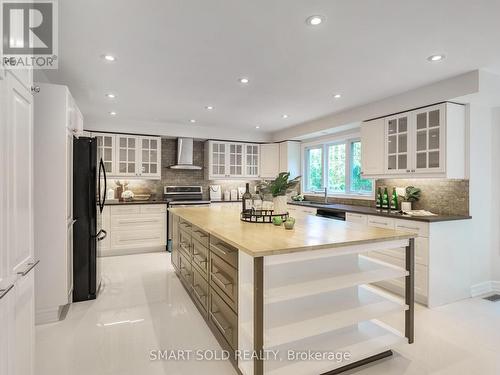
(261,216)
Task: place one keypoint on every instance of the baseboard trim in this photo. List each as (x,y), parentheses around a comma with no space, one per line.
(46,316)
(485,288)
(130,251)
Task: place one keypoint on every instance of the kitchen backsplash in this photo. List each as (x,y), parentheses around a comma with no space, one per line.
(440,196)
(178,176)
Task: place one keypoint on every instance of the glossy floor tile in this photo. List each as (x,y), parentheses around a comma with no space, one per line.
(143,307)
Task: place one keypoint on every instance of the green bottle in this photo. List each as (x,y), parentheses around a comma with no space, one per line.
(379,198)
(394,200)
(385,199)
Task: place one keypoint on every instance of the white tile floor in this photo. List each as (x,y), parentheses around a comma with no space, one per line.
(144,307)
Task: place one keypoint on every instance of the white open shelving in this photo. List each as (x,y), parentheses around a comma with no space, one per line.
(293,320)
(297,280)
(361,340)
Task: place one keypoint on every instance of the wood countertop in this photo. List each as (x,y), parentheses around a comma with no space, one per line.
(258,239)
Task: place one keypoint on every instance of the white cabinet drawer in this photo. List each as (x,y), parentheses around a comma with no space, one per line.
(419,228)
(421,252)
(133,222)
(125,210)
(356,218)
(138,238)
(421,275)
(153,208)
(381,222)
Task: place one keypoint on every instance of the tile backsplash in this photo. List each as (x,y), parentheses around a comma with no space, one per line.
(179,176)
(440,196)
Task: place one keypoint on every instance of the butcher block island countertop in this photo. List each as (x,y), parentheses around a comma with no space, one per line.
(264,289)
(259,239)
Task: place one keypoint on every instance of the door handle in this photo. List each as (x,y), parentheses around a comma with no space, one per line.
(3,292)
(103,233)
(30,267)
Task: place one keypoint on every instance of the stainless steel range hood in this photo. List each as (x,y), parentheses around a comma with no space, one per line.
(185,155)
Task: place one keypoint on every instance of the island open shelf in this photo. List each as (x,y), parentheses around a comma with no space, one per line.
(271,290)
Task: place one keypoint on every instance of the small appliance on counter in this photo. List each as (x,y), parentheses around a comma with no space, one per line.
(215,193)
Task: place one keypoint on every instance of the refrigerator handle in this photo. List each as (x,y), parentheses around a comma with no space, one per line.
(101,166)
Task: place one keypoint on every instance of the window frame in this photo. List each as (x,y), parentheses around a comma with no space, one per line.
(324,144)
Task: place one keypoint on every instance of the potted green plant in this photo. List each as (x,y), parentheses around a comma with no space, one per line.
(278,188)
(412,194)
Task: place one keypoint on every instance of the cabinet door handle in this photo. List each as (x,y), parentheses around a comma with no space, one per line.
(222,249)
(183,246)
(378,222)
(410,228)
(407,171)
(3,292)
(225,328)
(221,280)
(199,259)
(413,170)
(200,233)
(30,267)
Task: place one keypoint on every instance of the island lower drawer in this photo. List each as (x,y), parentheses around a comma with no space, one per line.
(224,251)
(200,289)
(200,257)
(185,243)
(200,235)
(185,270)
(224,319)
(224,278)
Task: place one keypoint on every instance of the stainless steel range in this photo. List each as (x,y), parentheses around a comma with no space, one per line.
(181,196)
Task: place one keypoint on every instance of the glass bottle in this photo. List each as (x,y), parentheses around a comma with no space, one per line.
(247,199)
(394,200)
(385,199)
(378,200)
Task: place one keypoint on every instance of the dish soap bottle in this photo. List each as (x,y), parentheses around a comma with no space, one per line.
(247,199)
(394,200)
(385,199)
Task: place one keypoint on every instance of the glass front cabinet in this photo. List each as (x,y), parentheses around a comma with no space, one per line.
(231,160)
(415,142)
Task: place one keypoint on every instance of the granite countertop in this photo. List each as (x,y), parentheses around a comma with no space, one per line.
(257,239)
(378,212)
(116,202)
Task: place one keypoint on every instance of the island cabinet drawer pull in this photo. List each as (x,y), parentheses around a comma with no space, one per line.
(201,295)
(200,233)
(221,323)
(409,228)
(221,279)
(378,222)
(29,268)
(199,259)
(222,249)
(3,292)
(185,246)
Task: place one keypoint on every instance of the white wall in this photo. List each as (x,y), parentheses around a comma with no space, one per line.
(495,209)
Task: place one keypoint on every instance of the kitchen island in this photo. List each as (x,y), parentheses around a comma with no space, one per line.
(293,293)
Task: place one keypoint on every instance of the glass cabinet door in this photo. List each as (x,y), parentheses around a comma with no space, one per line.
(252,160)
(397,142)
(105,150)
(150,157)
(429,123)
(127,155)
(218,165)
(235,159)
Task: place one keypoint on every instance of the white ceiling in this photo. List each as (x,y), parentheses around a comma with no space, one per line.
(174,57)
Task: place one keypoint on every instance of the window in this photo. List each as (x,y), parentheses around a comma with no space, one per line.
(336,166)
(314,179)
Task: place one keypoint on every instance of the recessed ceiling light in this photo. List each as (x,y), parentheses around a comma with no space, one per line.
(109,58)
(244,80)
(209,107)
(315,20)
(337,96)
(284,116)
(110,95)
(436,58)
(112,113)
(257,127)
(192,121)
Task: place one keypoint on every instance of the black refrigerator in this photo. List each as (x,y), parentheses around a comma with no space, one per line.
(89,197)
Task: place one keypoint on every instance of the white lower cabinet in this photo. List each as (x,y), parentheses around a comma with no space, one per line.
(397,256)
(293,209)
(134,228)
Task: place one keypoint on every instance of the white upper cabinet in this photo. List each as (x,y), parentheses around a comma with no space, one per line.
(129,155)
(252,160)
(236,168)
(106,151)
(427,142)
(290,158)
(372,153)
(269,160)
(225,160)
(150,157)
